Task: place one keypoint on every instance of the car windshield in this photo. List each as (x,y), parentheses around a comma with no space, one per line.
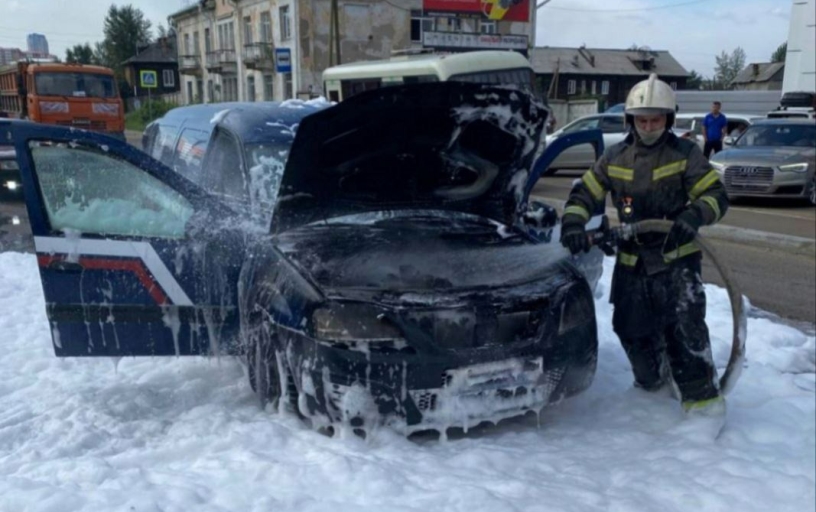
(683,124)
(775,135)
(82,85)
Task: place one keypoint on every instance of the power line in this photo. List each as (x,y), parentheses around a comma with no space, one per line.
(634,9)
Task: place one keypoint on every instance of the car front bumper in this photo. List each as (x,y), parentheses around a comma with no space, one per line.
(409,390)
(763,181)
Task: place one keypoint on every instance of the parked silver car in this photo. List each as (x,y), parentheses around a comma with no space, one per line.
(773,157)
(691,124)
(583,156)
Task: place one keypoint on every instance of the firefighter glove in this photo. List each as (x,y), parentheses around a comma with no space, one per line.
(684,230)
(574,237)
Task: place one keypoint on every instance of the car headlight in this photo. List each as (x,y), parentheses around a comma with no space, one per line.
(8,165)
(353,322)
(794,167)
(717,166)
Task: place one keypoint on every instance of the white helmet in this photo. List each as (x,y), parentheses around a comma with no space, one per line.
(651,96)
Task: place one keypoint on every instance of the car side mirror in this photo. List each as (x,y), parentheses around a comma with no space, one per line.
(729,141)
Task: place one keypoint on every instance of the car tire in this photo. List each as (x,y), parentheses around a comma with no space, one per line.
(262,362)
(811,195)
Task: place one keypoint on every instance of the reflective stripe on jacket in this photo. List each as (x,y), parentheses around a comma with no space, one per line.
(657,182)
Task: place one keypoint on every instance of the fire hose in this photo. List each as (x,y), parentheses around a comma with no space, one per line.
(606,239)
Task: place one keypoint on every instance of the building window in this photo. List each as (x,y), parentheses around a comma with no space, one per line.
(207,41)
(487,27)
(571,87)
(454,25)
(266,27)
(674,85)
(247,30)
(285,23)
(593,88)
(189,93)
(420,25)
(605,87)
(226,36)
(268,80)
(168,78)
(288,90)
(583,86)
(187,49)
(250,88)
(210,91)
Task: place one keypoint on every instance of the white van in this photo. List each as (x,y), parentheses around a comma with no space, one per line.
(488,67)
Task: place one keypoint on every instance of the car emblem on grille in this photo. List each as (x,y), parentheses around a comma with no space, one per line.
(748,171)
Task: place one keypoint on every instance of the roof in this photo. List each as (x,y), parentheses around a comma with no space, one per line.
(758,72)
(164,50)
(441,65)
(603,61)
(787,120)
(252,122)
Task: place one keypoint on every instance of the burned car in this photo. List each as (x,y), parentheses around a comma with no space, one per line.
(404,280)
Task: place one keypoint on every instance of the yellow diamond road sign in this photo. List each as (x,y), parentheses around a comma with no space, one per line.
(148,79)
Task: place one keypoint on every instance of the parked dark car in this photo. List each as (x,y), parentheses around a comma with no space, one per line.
(404,279)
(233,150)
(773,157)
(10,185)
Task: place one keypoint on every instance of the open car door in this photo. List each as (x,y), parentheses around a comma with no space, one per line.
(121,272)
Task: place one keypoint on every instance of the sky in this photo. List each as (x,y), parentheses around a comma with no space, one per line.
(694,31)
(181,434)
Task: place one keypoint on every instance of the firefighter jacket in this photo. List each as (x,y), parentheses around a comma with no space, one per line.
(650,182)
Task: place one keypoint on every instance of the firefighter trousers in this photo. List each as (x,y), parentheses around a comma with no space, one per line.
(660,320)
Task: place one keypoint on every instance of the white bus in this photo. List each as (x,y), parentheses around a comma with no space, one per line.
(489,67)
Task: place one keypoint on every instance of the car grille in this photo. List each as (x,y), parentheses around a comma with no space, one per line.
(468,328)
(748,179)
(84,123)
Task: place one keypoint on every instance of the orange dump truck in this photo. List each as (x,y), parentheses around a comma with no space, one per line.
(75,95)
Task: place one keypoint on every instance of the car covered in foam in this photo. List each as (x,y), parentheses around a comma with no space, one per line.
(405,278)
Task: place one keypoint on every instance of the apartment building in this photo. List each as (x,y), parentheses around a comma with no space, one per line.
(260,50)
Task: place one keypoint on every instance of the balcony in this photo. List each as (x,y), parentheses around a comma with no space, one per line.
(222,61)
(190,64)
(259,56)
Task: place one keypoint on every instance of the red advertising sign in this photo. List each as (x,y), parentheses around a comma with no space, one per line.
(508,10)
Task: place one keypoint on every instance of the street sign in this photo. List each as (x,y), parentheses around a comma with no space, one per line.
(283,60)
(148,79)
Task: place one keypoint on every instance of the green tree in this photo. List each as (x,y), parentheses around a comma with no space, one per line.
(780,53)
(694,81)
(80,54)
(728,66)
(125,29)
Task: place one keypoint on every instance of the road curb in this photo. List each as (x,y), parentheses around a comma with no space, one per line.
(774,241)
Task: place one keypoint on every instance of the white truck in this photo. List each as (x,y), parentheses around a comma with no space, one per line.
(799,81)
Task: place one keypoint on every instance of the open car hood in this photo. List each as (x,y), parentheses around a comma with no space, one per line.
(442,146)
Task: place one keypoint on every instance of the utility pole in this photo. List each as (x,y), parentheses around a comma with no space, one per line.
(334,35)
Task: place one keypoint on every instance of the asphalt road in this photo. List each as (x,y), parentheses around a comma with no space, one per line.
(774,277)
(786,217)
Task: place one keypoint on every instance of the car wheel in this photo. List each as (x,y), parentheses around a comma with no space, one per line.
(812,193)
(262,361)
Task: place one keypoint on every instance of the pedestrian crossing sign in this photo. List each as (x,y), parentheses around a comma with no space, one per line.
(148,79)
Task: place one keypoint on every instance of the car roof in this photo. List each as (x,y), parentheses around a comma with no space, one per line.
(786,120)
(691,115)
(250,121)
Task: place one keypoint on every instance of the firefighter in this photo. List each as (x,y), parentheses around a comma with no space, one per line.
(657,291)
